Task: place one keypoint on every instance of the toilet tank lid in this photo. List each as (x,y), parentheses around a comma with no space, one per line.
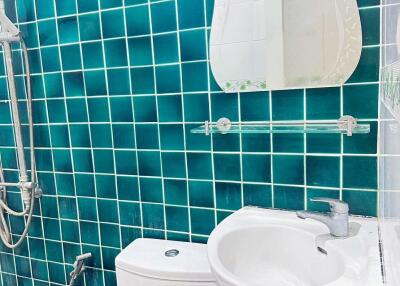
(147,257)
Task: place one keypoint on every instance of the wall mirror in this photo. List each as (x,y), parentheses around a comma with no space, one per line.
(283,44)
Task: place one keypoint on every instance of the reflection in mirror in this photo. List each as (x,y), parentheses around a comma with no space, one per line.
(283,44)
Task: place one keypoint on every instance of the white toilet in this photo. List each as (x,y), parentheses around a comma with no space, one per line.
(153,262)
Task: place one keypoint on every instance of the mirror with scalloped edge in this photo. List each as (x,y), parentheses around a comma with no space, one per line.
(283,44)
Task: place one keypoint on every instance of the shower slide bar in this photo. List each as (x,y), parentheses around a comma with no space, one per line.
(27,184)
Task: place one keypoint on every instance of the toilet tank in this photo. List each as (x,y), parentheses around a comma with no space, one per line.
(154,262)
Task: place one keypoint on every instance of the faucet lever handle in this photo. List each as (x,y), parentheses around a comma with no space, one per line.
(337,206)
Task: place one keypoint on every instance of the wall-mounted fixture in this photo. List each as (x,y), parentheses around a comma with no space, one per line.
(283,44)
(27,184)
(345,125)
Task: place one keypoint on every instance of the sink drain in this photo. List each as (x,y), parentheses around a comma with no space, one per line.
(171,253)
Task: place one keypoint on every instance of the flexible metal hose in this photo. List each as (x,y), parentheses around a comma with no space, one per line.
(28,207)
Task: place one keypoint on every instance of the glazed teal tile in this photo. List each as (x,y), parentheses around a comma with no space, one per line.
(43,160)
(92,55)
(177,218)
(47,32)
(50,59)
(65,7)
(323,171)
(178,236)
(98,109)
(30,35)
(369,205)
(370,22)
(80,135)
(108,210)
(95,260)
(7,263)
(227,167)
(71,251)
(191,14)
(130,213)
(142,80)
(62,160)
(201,194)
(170,108)
(70,57)
(87,6)
(56,273)
(196,107)
(149,163)
(361,101)
(56,110)
(140,51)
(175,192)
(121,109)
(44,9)
(7,136)
(73,83)
(288,105)
(46,181)
(226,142)
(53,85)
(38,249)
(168,79)
(194,77)
(89,27)
(166,48)
(171,136)
(39,271)
(34,62)
(110,277)
(359,172)
(40,116)
(153,233)
(95,83)
(69,231)
(228,196)
(163,17)
(125,162)
(23,266)
(118,81)
(254,106)
(109,255)
(128,189)
(257,195)
(256,168)
(365,3)
(368,67)
(202,221)
(192,45)
(323,103)
(151,190)
(59,136)
(83,161)
(224,105)
(41,136)
(174,164)
(113,23)
(288,143)
(199,165)
(153,216)
(147,136)
(36,229)
(105,4)
(26,11)
(67,207)
(103,161)
(323,143)
(288,169)
(123,135)
(68,30)
(362,143)
(256,142)
(84,184)
(145,109)
(291,198)
(106,186)
(65,185)
(137,21)
(115,53)
(317,193)
(87,209)
(112,240)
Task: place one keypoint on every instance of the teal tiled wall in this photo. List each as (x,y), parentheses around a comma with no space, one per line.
(117,87)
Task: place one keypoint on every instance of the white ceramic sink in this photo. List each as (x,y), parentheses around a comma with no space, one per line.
(263,247)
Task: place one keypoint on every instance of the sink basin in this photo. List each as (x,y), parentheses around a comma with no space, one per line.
(269,247)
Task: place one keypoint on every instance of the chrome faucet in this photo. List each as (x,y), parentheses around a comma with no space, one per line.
(337,220)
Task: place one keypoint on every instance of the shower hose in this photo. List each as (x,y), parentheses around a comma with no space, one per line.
(28,193)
